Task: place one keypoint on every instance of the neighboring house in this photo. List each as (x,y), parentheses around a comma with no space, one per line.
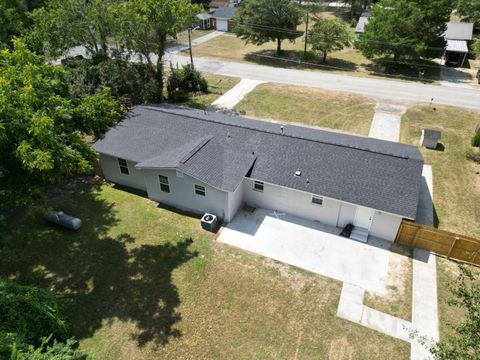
(215,4)
(204,21)
(211,162)
(222,18)
(457,36)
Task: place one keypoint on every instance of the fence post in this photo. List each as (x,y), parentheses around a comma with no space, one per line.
(451,247)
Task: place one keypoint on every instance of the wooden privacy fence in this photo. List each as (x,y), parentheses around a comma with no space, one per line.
(451,245)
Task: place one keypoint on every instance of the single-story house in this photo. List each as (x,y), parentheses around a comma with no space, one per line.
(222,18)
(457,36)
(215,4)
(204,21)
(207,162)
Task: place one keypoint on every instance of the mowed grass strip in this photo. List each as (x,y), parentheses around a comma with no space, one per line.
(456,180)
(309,106)
(134,286)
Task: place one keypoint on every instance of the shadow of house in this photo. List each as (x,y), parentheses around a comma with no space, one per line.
(97,275)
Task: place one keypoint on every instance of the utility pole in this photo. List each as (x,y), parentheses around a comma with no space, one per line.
(190,46)
(306,36)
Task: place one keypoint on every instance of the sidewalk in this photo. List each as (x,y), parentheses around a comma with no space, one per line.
(236,94)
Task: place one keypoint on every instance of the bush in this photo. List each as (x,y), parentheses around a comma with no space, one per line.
(476,139)
(56,351)
(29,313)
(129,82)
(185,81)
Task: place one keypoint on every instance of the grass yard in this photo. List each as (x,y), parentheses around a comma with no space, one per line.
(314,107)
(134,286)
(456,181)
(182,38)
(218,85)
(449,315)
(398,299)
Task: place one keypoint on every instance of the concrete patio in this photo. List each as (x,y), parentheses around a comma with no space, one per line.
(311,246)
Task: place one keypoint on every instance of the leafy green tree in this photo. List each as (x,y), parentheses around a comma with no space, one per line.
(465,343)
(42,126)
(406,28)
(145,25)
(469,10)
(14,19)
(476,48)
(329,35)
(185,81)
(63,24)
(57,351)
(262,21)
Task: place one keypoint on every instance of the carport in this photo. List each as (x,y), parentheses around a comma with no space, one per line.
(311,246)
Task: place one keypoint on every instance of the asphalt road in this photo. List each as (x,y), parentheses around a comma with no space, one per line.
(399,91)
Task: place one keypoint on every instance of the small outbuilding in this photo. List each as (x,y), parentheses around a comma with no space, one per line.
(222,18)
(457,35)
(430,138)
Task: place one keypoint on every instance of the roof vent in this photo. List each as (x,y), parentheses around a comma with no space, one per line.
(281,129)
(298,173)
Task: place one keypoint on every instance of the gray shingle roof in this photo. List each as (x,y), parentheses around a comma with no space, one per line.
(225,12)
(378,174)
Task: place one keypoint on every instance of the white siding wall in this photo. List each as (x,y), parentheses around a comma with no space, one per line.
(111,171)
(347,215)
(235,201)
(182,194)
(293,202)
(385,226)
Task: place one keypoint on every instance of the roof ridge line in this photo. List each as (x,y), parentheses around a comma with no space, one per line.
(172,111)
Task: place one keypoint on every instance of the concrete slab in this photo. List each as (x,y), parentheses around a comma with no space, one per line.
(425,202)
(386,324)
(350,306)
(236,94)
(386,121)
(311,246)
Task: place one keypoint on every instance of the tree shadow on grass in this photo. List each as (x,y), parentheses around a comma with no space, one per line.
(98,277)
(295,59)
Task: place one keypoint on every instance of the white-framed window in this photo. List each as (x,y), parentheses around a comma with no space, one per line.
(123,166)
(179,173)
(317,200)
(258,185)
(200,190)
(164,185)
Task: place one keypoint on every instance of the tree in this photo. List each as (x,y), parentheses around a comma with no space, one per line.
(261,21)
(329,35)
(145,25)
(469,10)
(476,48)
(42,126)
(465,342)
(406,28)
(63,24)
(14,18)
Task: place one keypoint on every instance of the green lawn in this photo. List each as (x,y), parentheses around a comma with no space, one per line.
(314,107)
(182,38)
(218,85)
(456,181)
(134,286)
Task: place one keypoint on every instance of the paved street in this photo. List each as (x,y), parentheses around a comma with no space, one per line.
(378,88)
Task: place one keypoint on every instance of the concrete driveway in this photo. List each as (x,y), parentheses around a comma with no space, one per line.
(310,246)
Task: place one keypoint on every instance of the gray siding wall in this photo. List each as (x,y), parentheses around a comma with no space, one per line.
(385,226)
(111,171)
(235,201)
(182,194)
(292,202)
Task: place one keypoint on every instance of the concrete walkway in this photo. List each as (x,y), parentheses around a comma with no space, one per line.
(236,94)
(386,121)
(197,41)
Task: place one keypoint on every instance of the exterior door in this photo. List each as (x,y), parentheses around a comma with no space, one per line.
(364,217)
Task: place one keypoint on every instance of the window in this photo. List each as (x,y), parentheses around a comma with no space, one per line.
(317,200)
(164,186)
(258,185)
(179,173)
(123,166)
(200,190)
